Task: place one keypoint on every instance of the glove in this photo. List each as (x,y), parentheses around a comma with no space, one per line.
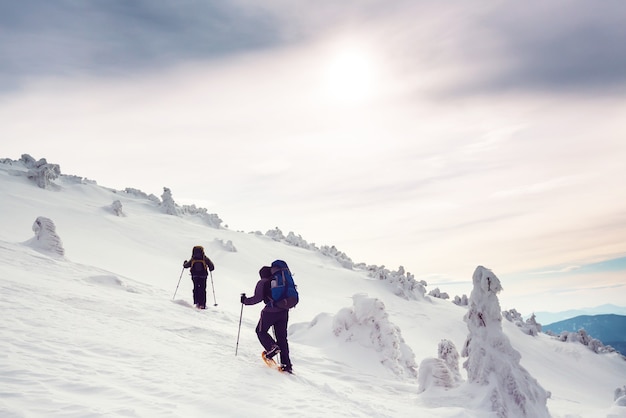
(184,262)
(243,298)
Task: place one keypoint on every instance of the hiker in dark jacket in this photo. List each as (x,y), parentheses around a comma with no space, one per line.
(198,265)
(270,316)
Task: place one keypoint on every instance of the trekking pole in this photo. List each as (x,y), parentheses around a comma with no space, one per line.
(239,331)
(181,276)
(214,301)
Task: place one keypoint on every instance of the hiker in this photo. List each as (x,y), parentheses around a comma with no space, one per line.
(198,266)
(270,316)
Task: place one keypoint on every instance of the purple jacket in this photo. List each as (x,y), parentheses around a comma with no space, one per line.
(262,293)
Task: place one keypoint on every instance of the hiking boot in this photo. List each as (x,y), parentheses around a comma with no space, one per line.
(286,369)
(272,352)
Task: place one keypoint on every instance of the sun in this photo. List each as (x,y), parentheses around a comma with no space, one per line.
(350,75)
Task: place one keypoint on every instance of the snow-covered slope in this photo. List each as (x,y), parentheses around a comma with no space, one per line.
(96,330)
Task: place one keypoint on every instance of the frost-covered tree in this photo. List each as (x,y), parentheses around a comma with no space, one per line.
(442,371)
(368,324)
(585,339)
(461,300)
(275,234)
(168,205)
(530,326)
(404,283)
(337,255)
(491,360)
(298,241)
(209,218)
(226,246)
(620,396)
(116,207)
(40,171)
(436,293)
(138,193)
(46,238)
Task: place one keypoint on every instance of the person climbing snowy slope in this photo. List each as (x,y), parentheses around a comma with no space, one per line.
(275,313)
(199,266)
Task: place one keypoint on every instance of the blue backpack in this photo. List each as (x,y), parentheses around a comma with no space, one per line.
(284,290)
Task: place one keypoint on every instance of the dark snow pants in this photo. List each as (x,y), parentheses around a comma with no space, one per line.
(199,291)
(279,321)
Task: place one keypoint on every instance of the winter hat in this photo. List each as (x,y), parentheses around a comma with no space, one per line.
(265,272)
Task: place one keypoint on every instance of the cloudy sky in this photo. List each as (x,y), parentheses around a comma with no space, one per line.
(437,136)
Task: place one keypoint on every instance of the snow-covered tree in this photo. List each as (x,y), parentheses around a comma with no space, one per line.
(46,238)
(436,293)
(40,171)
(442,371)
(116,207)
(461,300)
(491,360)
(368,324)
(275,234)
(298,241)
(530,326)
(404,283)
(585,339)
(138,193)
(337,255)
(620,396)
(226,246)
(168,205)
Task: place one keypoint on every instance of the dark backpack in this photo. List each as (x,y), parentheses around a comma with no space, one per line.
(198,265)
(284,290)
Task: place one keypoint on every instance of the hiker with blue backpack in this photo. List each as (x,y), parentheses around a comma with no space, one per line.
(277,289)
(198,266)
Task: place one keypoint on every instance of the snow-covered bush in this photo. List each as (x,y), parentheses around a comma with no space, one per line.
(275,234)
(71,178)
(169,206)
(138,193)
(46,238)
(491,360)
(585,339)
(620,396)
(436,293)
(116,208)
(337,255)
(291,239)
(40,171)
(404,283)
(297,241)
(367,323)
(442,371)
(461,300)
(209,218)
(530,326)
(226,246)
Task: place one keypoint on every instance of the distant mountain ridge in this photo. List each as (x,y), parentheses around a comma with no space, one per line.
(552,317)
(610,328)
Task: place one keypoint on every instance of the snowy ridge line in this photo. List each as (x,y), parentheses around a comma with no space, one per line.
(44,174)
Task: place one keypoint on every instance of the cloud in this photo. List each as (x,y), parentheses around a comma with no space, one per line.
(448,48)
(557,47)
(112,37)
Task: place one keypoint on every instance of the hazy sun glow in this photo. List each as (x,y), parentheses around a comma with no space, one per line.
(350,75)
